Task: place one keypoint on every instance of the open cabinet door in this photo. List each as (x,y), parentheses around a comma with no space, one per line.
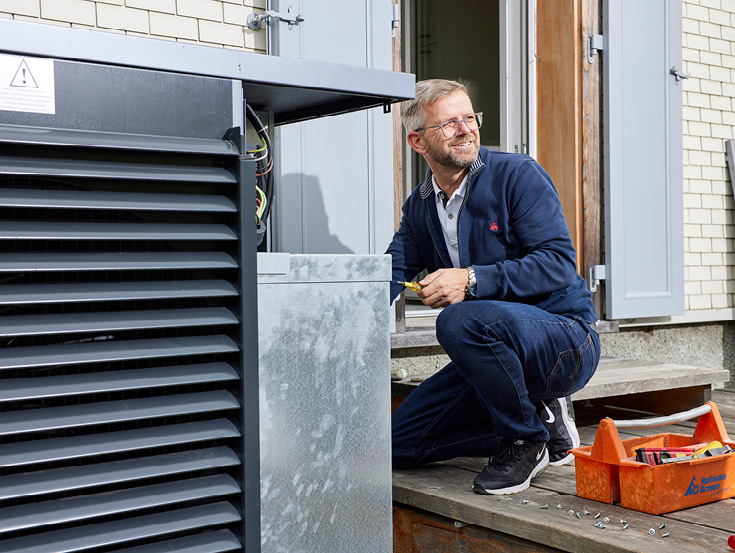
(336,174)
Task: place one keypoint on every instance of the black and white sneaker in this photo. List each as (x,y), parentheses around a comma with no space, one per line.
(510,470)
(558,417)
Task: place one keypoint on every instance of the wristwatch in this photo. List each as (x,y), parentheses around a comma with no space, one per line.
(471,290)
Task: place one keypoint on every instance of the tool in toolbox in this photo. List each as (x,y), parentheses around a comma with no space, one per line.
(608,471)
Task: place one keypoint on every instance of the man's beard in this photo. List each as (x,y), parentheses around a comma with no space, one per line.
(451,158)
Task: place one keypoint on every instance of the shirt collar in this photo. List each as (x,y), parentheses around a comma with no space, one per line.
(427,188)
(459,193)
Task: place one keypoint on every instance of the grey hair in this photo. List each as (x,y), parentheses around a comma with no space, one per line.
(427,92)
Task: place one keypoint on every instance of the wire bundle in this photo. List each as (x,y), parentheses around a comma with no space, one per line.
(264,170)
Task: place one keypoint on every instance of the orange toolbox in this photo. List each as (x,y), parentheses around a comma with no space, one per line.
(608,472)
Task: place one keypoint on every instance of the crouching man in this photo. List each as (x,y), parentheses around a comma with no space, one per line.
(517,321)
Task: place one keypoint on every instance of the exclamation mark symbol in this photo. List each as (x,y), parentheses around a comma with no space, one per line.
(24,76)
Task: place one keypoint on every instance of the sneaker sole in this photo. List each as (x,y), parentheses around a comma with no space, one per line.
(563,461)
(538,469)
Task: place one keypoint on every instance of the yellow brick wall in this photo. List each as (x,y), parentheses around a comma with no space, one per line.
(218,23)
(709,120)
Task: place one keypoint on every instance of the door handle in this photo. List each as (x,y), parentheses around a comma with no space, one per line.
(678,74)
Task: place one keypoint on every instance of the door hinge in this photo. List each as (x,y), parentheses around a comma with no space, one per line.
(255,21)
(595,43)
(597,274)
(396,19)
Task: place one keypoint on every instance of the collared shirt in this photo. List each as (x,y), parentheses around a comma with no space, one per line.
(448,216)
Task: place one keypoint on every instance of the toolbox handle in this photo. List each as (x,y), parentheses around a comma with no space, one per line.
(665,421)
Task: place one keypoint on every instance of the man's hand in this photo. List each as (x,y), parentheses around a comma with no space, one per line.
(444,287)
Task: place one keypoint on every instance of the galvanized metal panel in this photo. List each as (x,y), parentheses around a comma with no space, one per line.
(644,236)
(114,291)
(90,445)
(17,389)
(129,470)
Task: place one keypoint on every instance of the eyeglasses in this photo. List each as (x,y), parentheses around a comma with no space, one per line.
(453,127)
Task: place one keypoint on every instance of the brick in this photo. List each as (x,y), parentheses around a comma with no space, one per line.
(711,202)
(201,9)
(719,46)
(712,88)
(710,4)
(700,217)
(700,245)
(720,301)
(709,30)
(699,186)
(700,302)
(698,129)
(692,142)
(722,188)
(722,104)
(113,2)
(728,89)
(696,41)
(721,131)
(713,261)
(698,70)
(221,33)
(711,116)
(720,74)
(128,19)
(715,145)
(691,113)
(161,6)
(712,287)
(721,244)
(692,259)
(728,61)
(260,4)
(697,12)
(689,26)
(236,15)
(72,11)
(719,18)
(719,272)
(31,8)
(689,54)
(692,202)
(173,26)
(728,5)
(710,58)
(697,99)
(700,273)
(713,173)
(255,39)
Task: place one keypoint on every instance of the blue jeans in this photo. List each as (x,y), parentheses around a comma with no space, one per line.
(506,358)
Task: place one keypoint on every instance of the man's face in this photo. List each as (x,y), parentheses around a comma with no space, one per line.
(460,151)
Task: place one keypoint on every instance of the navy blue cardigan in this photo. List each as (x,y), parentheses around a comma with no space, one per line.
(511,228)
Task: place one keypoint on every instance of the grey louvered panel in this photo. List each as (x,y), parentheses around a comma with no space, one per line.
(41,136)
(219,541)
(99,352)
(114,291)
(122,261)
(70,199)
(32,325)
(34,230)
(81,538)
(77,447)
(16,389)
(129,470)
(85,507)
(71,416)
(109,170)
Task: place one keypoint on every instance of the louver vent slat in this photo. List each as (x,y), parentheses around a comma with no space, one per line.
(122,341)
(79,508)
(114,291)
(39,136)
(126,530)
(122,261)
(67,199)
(112,231)
(109,170)
(80,447)
(220,541)
(105,351)
(72,416)
(114,381)
(130,470)
(118,320)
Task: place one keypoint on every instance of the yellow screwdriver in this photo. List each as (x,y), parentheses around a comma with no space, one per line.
(415,286)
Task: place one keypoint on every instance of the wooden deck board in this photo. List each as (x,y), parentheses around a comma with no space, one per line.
(445,489)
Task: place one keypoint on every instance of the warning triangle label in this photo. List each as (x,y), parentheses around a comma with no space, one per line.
(23,77)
